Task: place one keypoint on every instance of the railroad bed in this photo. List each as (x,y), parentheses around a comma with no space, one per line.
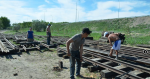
(111,68)
(130,53)
(132,63)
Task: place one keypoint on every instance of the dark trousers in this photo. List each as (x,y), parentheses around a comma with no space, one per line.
(75,55)
(48,38)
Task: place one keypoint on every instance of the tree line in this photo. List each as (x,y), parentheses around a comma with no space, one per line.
(4,22)
(36,25)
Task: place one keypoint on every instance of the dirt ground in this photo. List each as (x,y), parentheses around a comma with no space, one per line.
(35,65)
(2,31)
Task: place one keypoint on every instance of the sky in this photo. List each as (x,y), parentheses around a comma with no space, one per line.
(72,10)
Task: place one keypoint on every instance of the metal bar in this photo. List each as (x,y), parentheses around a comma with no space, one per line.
(118,61)
(111,69)
(16,37)
(12,46)
(45,45)
(38,47)
(129,53)
(96,54)
(24,47)
(3,47)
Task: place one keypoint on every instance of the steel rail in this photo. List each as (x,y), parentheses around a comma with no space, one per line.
(12,46)
(111,69)
(143,69)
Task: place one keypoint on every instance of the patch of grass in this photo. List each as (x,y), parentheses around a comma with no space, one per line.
(87,74)
(78,78)
(62,45)
(122,25)
(56,73)
(10,32)
(49,70)
(8,59)
(46,68)
(96,36)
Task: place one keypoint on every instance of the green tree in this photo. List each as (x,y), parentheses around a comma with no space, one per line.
(38,25)
(1,24)
(5,22)
(16,27)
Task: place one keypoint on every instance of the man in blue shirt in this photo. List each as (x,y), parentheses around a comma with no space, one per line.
(30,36)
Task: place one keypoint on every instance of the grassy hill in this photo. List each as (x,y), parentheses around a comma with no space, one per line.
(135,28)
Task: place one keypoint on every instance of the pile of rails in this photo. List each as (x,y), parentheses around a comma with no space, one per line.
(7,46)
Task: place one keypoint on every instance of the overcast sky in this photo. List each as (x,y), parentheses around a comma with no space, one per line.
(65,10)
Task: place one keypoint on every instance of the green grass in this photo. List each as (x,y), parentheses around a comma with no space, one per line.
(97,27)
(10,32)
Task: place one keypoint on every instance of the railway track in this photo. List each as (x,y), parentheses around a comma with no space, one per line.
(108,66)
(130,53)
(133,64)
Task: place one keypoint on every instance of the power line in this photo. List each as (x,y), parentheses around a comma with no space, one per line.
(118,13)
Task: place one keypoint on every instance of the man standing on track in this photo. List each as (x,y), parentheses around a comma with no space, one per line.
(48,32)
(75,51)
(117,42)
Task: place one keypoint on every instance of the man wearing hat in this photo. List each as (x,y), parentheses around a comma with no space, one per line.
(75,50)
(48,32)
(114,37)
(30,36)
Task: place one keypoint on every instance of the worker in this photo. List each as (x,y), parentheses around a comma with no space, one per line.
(48,32)
(75,50)
(30,35)
(114,37)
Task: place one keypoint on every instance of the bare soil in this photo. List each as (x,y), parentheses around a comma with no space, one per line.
(35,65)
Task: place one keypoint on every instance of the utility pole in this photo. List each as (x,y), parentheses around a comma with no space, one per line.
(118,8)
(118,13)
(76,12)
(44,16)
(78,15)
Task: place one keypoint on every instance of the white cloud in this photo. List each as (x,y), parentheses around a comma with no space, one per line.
(47,1)
(82,1)
(103,10)
(66,11)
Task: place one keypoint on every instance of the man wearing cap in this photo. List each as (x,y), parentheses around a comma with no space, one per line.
(117,42)
(30,36)
(75,51)
(48,32)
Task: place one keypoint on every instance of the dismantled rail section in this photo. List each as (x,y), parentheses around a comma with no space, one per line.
(111,68)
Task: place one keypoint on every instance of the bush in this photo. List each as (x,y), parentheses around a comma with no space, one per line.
(16,27)
(9,28)
(38,25)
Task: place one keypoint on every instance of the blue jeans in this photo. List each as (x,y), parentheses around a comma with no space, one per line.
(48,38)
(75,55)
